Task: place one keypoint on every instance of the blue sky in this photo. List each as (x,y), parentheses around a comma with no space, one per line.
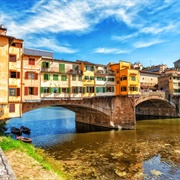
(99,31)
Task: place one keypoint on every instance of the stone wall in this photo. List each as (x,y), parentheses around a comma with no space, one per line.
(112,112)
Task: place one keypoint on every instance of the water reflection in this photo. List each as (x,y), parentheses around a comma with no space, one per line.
(152,151)
(46,125)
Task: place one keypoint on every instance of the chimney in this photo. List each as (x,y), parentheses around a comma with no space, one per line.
(3,30)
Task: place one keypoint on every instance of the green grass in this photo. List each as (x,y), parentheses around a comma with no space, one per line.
(7,143)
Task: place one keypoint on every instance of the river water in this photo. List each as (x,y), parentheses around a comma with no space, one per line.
(152,151)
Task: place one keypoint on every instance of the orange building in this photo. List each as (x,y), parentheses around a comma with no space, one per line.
(127,79)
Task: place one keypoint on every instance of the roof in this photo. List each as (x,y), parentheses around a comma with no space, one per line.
(61,60)
(147,72)
(10,37)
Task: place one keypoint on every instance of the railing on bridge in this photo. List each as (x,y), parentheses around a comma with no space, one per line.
(157,94)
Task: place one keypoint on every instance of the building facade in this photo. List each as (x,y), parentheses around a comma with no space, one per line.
(29,75)
(127,79)
(11,50)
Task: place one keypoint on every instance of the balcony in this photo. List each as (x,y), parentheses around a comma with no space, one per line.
(72,71)
(45,69)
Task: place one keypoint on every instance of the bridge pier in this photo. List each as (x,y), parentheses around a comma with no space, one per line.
(121,114)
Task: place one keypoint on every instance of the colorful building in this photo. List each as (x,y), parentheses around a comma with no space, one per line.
(29,75)
(127,79)
(104,81)
(11,50)
(60,79)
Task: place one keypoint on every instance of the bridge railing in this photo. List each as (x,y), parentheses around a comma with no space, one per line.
(159,94)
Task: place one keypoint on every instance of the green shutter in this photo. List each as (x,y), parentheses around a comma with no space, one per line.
(48,64)
(51,89)
(92,68)
(104,89)
(86,77)
(48,76)
(43,64)
(68,90)
(76,89)
(104,79)
(83,90)
(55,77)
(97,89)
(60,90)
(42,89)
(62,68)
(44,76)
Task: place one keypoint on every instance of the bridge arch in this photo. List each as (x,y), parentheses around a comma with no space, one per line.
(112,111)
(156,104)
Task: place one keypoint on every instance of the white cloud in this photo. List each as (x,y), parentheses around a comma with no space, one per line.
(123,38)
(51,44)
(156,30)
(110,51)
(143,44)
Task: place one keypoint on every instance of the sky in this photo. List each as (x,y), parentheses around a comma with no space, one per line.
(98,31)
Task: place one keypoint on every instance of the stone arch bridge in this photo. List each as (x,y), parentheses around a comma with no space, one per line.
(113,111)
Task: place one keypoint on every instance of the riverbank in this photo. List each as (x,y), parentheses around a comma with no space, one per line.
(28,162)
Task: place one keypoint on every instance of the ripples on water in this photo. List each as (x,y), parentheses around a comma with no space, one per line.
(152,151)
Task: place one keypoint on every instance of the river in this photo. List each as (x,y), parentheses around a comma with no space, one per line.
(152,151)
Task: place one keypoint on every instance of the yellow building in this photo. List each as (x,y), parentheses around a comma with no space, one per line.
(10,75)
(88,82)
(127,79)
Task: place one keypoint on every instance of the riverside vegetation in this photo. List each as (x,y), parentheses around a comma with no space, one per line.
(29,162)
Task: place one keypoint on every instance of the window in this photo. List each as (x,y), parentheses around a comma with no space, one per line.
(90,89)
(123,78)
(14,74)
(110,89)
(46,90)
(14,91)
(31,75)
(12,58)
(11,108)
(99,89)
(45,64)
(73,77)
(62,68)
(75,89)
(55,90)
(30,91)
(46,76)
(111,79)
(66,90)
(91,77)
(133,78)
(99,78)
(79,78)
(55,77)
(117,82)
(89,68)
(123,88)
(86,77)
(16,44)
(117,71)
(63,78)
(133,88)
(31,61)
